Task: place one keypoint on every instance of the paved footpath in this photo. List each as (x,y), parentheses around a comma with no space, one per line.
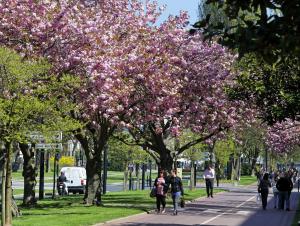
(235,208)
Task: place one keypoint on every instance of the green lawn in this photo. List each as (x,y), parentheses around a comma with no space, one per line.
(115,177)
(247,180)
(20,191)
(68,211)
(18,176)
(112,176)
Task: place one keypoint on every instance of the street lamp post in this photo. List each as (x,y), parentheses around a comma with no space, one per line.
(56,158)
(143,176)
(42,170)
(150,168)
(195,174)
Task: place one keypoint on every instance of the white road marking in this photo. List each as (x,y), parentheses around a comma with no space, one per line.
(207,221)
(211,211)
(244,213)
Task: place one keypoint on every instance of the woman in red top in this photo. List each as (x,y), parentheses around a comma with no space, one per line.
(160,183)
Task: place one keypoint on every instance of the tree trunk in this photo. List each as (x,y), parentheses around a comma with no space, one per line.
(166,161)
(233,172)
(3,193)
(93,183)
(192,182)
(125,178)
(125,181)
(218,172)
(137,174)
(253,163)
(29,174)
(93,168)
(254,160)
(8,187)
(236,168)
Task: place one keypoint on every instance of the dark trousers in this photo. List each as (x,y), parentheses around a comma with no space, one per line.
(209,187)
(160,200)
(264,198)
(283,198)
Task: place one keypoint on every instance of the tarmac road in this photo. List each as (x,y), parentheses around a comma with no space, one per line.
(234,208)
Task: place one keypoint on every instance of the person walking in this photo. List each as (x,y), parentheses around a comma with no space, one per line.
(176,190)
(160,184)
(263,189)
(209,175)
(275,190)
(284,186)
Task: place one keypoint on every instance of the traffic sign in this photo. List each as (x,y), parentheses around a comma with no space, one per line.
(57,146)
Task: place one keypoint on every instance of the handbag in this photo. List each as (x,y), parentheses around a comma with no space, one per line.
(258,198)
(153,192)
(182,202)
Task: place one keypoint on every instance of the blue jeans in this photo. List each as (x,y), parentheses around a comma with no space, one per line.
(276,194)
(175,198)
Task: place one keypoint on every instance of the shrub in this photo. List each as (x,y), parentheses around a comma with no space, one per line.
(246,170)
(64,161)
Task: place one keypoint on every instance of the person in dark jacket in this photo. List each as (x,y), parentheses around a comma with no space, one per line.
(176,189)
(62,179)
(263,188)
(284,186)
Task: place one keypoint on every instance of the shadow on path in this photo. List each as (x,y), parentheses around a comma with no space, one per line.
(273,216)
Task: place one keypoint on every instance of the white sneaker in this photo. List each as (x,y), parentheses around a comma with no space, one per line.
(163,211)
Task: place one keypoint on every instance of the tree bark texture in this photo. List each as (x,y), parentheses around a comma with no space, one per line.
(166,160)
(3,191)
(192,175)
(125,180)
(8,186)
(29,174)
(254,160)
(93,168)
(93,186)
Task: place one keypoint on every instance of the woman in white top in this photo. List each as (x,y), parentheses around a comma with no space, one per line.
(209,176)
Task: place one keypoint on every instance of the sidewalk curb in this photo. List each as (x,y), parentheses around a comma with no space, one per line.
(147,212)
(153,210)
(122,218)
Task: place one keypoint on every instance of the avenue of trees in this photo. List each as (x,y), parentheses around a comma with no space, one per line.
(265,34)
(107,73)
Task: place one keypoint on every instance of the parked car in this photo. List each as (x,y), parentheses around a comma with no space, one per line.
(76,179)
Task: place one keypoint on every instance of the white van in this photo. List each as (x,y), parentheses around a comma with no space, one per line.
(76,179)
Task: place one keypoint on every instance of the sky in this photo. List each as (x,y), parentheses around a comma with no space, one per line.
(174,6)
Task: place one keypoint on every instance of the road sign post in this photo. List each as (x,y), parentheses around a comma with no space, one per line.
(42,167)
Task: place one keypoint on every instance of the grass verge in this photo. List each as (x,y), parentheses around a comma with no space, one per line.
(17,191)
(247,180)
(67,211)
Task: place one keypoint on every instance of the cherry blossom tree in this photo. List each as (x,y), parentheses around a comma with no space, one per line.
(94,42)
(284,136)
(154,80)
(192,96)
